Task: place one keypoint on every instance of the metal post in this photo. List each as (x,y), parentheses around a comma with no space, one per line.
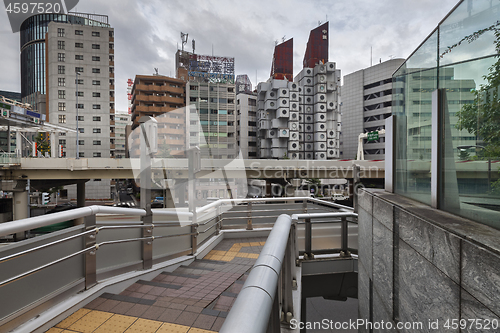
(194,238)
(356,180)
(249,215)
(147,245)
(304,206)
(218,221)
(345,234)
(90,257)
(287,284)
(308,253)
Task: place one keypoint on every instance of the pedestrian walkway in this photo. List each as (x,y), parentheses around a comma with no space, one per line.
(191,299)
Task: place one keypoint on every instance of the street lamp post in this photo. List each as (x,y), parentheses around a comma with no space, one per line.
(77,129)
(465,147)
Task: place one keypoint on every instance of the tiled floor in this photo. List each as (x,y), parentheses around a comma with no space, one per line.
(193,299)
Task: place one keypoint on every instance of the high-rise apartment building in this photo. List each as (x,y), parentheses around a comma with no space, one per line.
(246,124)
(67,74)
(212,120)
(366,102)
(301,119)
(121,121)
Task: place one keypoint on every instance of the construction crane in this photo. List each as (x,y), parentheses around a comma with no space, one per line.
(360,156)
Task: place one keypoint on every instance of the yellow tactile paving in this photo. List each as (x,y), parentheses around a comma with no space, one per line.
(144,326)
(72,319)
(199,330)
(90,322)
(233,252)
(116,324)
(54,330)
(172,328)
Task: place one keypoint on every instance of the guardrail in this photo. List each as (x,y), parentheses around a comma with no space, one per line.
(9,159)
(264,293)
(106,245)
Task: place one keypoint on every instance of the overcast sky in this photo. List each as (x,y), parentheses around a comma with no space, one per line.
(147,33)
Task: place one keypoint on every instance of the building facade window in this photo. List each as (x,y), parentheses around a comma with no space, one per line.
(96,106)
(60,32)
(80,106)
(96,34)
(96,154)
(61,57)
(81,154)
(79,45)
(79,81)
(96,70)
(61,69)
(96,47)
(62,119)
(97,142)
(78,56)
(62,106)
(61,94)
(96,94)
(96,130)
(79,32)
(79,69)
(96,58)
(96,82)
(61,45)
(96,118)
(79,94)
(61,82)
(80,118)
(81,142)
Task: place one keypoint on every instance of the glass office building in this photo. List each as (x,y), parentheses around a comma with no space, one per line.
(446,103)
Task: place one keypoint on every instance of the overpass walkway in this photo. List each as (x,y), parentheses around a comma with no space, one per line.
(194,298)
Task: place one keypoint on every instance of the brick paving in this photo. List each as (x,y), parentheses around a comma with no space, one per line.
(194,298)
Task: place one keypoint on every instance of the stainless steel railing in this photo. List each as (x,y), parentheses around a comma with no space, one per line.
(267,291)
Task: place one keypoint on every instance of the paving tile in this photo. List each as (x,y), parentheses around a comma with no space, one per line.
(122,308)
(186,318)
(137,310)
(170,315)
(116,324)
(73,318)
(107,305)
(172,328)
(217,324)
(90,322)
(144,326)
(95,303)
(153,312)
(210,312)
(204,322)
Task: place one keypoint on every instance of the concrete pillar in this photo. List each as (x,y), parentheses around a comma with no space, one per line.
(54,147)
(9,148)
(20,210)
(80,199)
(19,144)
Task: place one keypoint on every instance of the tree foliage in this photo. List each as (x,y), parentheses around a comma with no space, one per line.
(482,117)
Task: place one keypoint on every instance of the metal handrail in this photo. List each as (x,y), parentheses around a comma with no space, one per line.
(14,227)
(250,312)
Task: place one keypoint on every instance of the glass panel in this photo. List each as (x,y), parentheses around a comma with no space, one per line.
(472,140)
(413,85)
(469,31)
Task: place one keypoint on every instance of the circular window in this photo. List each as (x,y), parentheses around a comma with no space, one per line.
(294,135)
(322,136)
(294,105)
(331,104)
(322,117)
(308,109)
(322,97)
(271,94)
(322,88)
(294,155)
(283,102)
(322,155)
(300,99)
(308,128)
(284,132)
(322,78)
(322,127)
(322,107)
(300,118)
(294,116)
(308,99)
(308,71)
(331,152)
(322,146)
(309,81)
(294,145)
(309,90)
(309,137)
(272,103)
(283,92)
(331,143)
(322,68)
(294,95)
(331,66)
(331,133)
(309,118)
(272,133)
(294,86)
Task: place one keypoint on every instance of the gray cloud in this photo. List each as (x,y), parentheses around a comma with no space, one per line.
(147,33)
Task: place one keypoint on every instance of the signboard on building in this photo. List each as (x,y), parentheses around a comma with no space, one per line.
(216,69)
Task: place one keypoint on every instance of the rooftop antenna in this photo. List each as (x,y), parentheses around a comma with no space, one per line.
(276,42)
(184,39)
(156,71)
(283,39)
(193,42)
